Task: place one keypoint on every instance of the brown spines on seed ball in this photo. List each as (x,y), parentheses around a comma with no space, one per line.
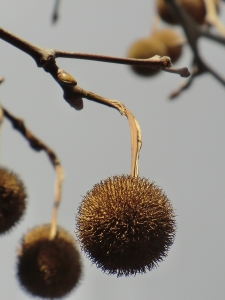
(12,199)
(146,48)
(125,225)
(48,268)
(195,8)
(172,40)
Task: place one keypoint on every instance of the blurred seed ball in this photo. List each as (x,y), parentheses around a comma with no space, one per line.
(146,48)
(125,225)
(195,8)
(48,268)
(172,40)
(12,199)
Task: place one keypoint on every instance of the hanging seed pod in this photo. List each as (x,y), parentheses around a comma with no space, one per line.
(172,40)
(48,268)
(12,199)
(125,225)
(195,8)
(146,48)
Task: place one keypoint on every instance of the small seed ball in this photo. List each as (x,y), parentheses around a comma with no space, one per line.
(195,8)
(12,199)
(146,48)
(173,42)
(125,225)
(48,268)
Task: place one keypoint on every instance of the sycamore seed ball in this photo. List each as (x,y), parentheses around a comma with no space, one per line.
(172,40)
(48,268)
(195,8)
(146,48)
(12,199)
(125,225)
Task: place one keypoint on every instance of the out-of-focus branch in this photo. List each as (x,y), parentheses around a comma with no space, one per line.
(55,14)
(38,145)
(185,85)
(212,16)
(193,32)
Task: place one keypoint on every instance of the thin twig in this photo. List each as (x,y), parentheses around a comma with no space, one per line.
(186,84)
(38,145)
(184,72)
(155,62)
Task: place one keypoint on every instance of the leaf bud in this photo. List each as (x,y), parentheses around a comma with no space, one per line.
(65,78)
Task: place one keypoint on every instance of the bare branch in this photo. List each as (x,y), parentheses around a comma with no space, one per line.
(46,57)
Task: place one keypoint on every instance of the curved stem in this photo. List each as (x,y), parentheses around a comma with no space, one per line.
(38,145)
(135,131)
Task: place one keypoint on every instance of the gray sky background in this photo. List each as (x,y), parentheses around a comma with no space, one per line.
(183,143)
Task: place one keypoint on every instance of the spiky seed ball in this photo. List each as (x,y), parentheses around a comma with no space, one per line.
(146,48)
(172,40)
(125,225)
(195,8)
(48,268)
(12,199)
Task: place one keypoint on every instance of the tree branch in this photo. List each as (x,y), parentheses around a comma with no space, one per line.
(45,57)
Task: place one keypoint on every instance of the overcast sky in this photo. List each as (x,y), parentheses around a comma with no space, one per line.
(183,143)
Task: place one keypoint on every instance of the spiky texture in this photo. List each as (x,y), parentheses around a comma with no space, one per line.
(48,268)
(146,48)
(125,225)
(12,199)
(172,41)
(195,8)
